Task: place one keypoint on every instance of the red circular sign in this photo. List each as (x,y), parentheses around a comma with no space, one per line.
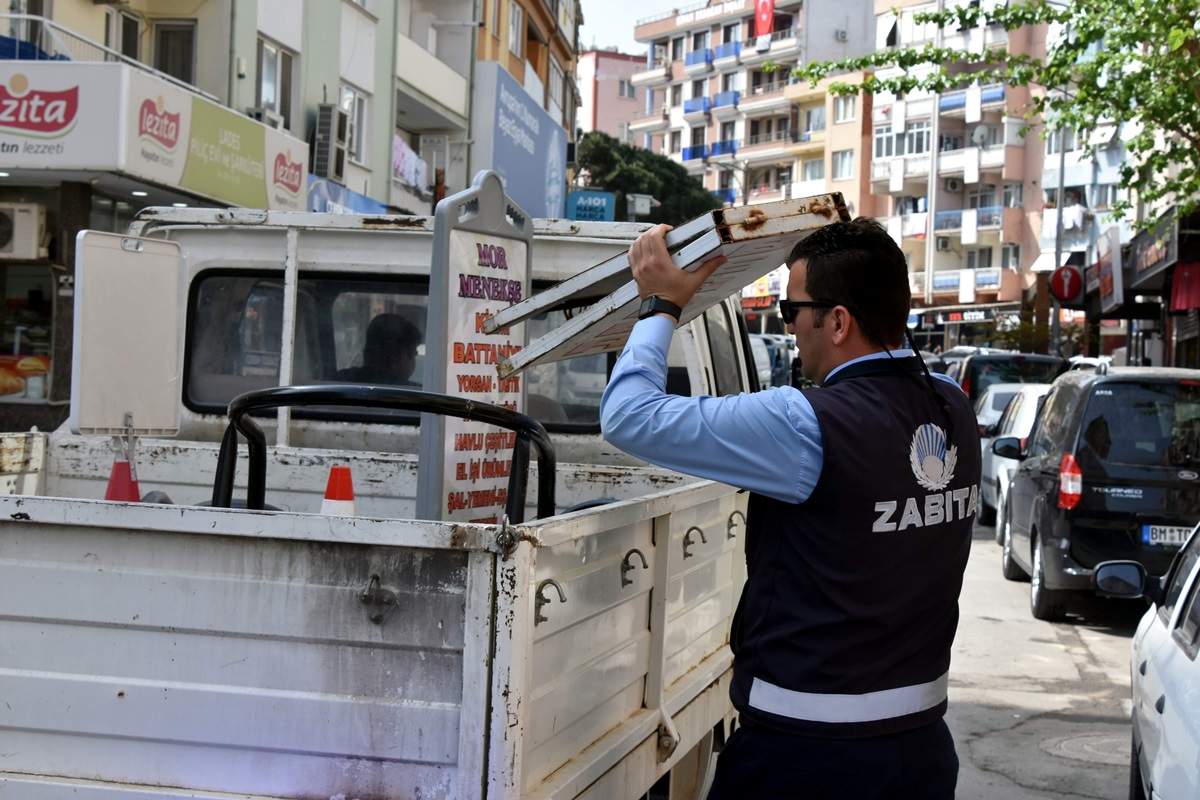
(1066,284)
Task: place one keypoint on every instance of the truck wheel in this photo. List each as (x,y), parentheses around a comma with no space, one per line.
(1008,566)
(691,777)
(1046,604)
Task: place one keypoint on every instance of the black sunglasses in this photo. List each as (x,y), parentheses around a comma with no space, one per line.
(790,308)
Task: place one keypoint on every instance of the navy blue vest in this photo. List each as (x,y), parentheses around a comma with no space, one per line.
(850,605)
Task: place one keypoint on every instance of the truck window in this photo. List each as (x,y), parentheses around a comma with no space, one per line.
(726,373)
(235,328)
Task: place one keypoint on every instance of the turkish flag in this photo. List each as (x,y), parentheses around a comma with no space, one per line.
(764,17)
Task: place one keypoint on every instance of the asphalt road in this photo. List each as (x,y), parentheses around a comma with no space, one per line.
(1038,710)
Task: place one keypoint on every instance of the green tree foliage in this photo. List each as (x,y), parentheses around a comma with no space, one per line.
(1130,62)
(607,164)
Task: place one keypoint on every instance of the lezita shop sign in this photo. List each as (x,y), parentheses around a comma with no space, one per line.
(287,174)
(36,113)
(157,124)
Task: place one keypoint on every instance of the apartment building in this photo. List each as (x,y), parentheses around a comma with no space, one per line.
(608,100)
(964,184)
(525,92)
(719,98)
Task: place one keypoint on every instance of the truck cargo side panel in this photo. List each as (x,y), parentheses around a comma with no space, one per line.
(228,663)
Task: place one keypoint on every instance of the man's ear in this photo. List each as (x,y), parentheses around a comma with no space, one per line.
(842,321)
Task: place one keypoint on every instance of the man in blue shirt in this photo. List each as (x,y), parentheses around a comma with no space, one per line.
(863,495)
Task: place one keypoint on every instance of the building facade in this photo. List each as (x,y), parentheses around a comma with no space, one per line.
(720,99)
(608,100)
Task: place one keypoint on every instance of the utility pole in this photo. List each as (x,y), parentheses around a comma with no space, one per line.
(932,183)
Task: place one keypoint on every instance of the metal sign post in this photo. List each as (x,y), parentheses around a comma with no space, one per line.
(482,259)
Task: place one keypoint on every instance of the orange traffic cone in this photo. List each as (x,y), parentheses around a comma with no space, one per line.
(122,485)
(339,492)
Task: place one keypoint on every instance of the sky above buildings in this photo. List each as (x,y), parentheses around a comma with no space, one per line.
(610,22)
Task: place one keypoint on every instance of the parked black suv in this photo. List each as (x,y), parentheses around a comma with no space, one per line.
(981,370)
(1111,471)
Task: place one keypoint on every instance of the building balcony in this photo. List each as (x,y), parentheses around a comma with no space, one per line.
(29,37)
(723,150)
(696,108)
(765,98)
(1077,222)
(725,104)
(438,82)
(727,55)
(809,188)
(954,103)
(726,196)
(694,152)
(765,193)
(698,62)
(952,281)
(780,44)
(652,122)
(765,147)
(907,226)
(973,40)
(987,219)
(657,75)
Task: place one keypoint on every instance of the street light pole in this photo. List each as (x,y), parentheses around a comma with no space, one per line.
(1055,319)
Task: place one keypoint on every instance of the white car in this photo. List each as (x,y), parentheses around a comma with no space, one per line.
(988,410)
(1165,761)
(1017,420)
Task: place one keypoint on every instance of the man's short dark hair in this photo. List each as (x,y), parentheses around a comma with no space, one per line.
(858,265)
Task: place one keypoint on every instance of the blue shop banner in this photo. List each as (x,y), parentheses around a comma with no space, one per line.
(522,142)
(592,206)
(328,197)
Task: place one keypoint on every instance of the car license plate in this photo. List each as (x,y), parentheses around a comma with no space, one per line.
(1169,535)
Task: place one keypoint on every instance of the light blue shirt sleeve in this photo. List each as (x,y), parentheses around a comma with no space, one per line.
(768,442)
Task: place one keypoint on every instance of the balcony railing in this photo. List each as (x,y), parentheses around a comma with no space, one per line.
(27,37)
(725,147)
(698,57)
(764,89)
(673,12)
(697,105)
(958,99)
(728,50)
(987,217)
(769,138)
(729,98)
(728,196)
(949,280)
(694,152)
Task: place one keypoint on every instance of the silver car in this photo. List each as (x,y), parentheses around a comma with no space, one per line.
(1017,419)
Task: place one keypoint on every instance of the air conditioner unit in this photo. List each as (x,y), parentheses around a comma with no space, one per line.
(329,143)
(952,184)
(943,243)
(841,35)
(267,116)
(22,231)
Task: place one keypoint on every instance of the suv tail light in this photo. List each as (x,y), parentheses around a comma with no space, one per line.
(1070,482)
(966,386)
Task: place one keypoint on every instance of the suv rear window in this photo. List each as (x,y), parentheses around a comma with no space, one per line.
(1141,424)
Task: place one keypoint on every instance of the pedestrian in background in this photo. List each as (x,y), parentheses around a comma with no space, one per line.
(863,496)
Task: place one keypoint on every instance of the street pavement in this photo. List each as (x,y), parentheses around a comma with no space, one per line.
(1038,710)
